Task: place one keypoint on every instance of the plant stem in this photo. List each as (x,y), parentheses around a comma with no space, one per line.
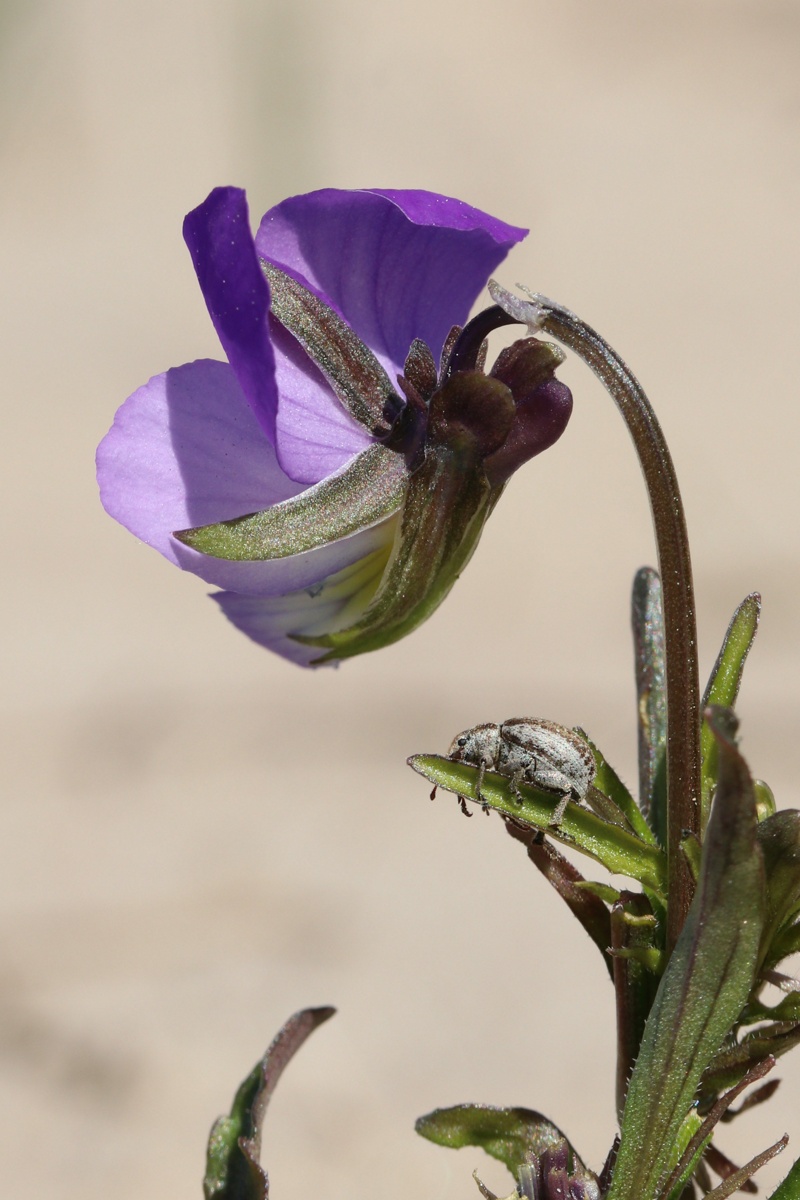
(683,689)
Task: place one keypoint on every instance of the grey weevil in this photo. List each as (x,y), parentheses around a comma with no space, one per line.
(529,750)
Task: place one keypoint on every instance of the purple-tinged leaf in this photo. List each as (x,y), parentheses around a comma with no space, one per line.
(358,380)
(233,1171)
(511,1135)
(736,1181)
(567,880)
(705,985)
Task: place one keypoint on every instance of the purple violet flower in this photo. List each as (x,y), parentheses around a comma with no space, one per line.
(331,478)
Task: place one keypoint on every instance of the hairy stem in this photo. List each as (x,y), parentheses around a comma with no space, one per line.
(683,689)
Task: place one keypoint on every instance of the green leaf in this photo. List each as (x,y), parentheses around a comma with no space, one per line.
(608,782)
(622,853)
(789,1189)
(445,508)
(365,491)
(508,1134)
(705,985)
(723,688)
(729,1065)
(233,1171)
(779,838)
(647,619)
(633,931)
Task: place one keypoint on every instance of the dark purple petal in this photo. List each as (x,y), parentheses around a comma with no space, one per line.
(218,235)
(396,265)
(186,450)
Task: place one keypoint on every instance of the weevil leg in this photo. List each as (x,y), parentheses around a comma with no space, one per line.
(462,800)
(513,784)
(478,789)
(558,812)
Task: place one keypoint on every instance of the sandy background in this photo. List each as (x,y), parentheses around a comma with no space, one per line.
(198,839)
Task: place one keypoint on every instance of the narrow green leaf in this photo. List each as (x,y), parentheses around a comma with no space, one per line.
(233,1171)
(729,1065)
(723,687)
(647,619)
(789,1189)
(357,378)
(508,1134)
(705,985)
(779,838)
(608,782)
(365,491)
(622,853)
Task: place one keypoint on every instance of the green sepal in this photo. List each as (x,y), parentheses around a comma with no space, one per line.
(723,688)
(364,492)
(444,511)
(358,380)
(622,853)
(233,1171)
(511,1135)
(647,620)
(789,1188)
(705,985)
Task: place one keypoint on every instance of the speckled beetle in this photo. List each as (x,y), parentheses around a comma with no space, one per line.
(528,750)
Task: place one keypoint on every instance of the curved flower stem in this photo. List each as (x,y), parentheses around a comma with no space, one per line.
(680,626)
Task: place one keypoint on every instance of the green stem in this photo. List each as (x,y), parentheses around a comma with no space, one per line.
(683,688)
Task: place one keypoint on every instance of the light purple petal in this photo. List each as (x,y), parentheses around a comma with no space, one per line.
(396,265)
(218,235)
(331,604)
(186,450)
(314,435)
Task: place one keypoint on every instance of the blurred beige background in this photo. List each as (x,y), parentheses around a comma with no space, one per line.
(198,838)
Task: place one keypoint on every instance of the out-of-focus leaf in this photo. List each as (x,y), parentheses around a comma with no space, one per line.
(609,783)
(789,1189)
(233,1171)
(723,687)
(510,1134)
(647,619)
(569,883)
(729,1065)
(620,852)
(779,838)
(705,985)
